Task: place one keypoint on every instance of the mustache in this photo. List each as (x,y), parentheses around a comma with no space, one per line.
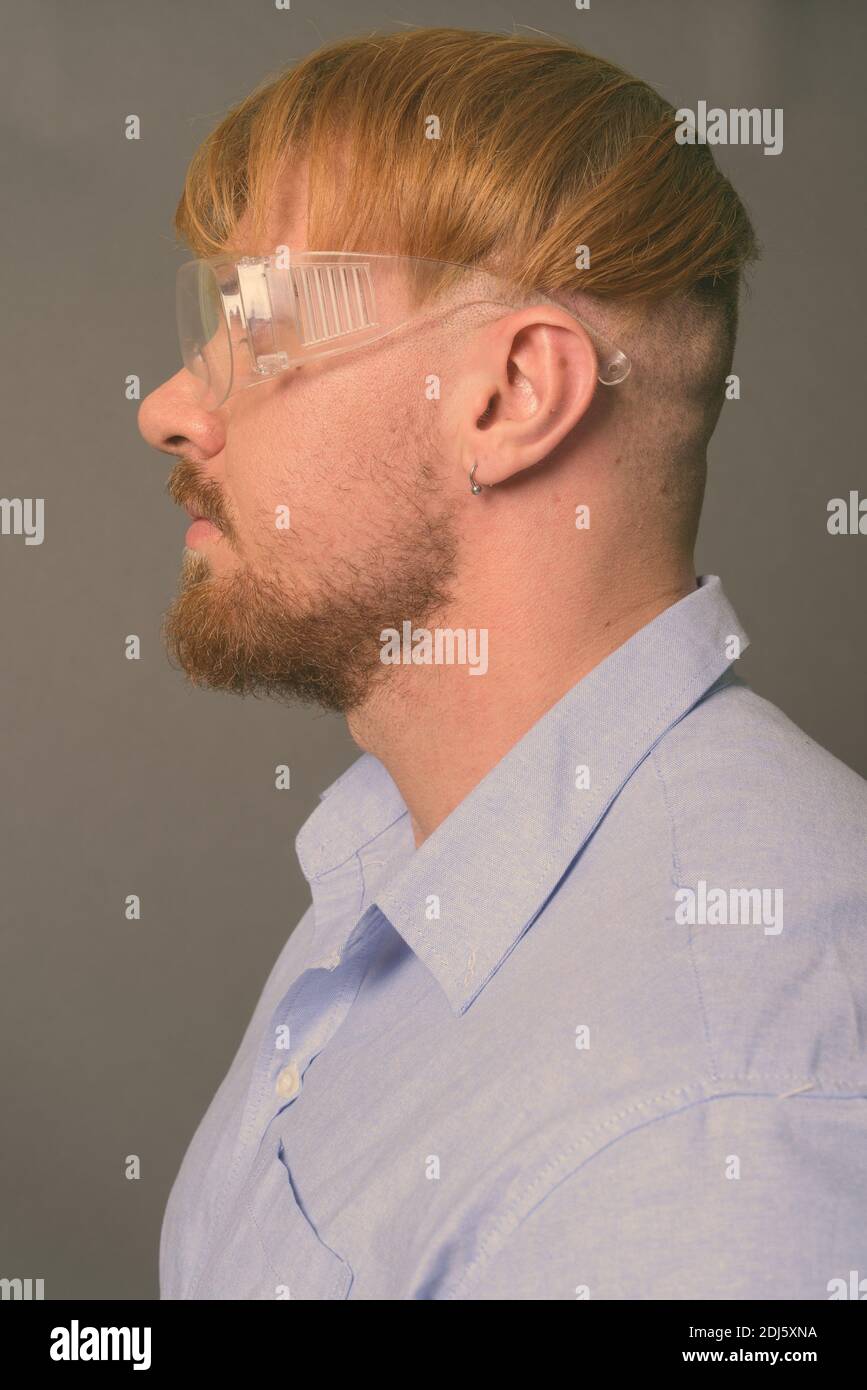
(200,495)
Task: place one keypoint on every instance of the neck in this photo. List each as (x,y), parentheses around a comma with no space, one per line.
(438,729)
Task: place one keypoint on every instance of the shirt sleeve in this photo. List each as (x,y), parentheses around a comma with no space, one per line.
(741,1197)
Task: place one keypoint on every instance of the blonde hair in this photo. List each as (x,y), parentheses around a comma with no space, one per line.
(542,149)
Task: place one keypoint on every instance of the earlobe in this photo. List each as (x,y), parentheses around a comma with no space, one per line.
(475,487)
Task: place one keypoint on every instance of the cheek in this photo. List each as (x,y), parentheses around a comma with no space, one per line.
(263,448)
(276,472)
(321,455)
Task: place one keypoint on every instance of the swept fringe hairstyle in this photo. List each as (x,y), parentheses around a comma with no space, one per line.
(542,149)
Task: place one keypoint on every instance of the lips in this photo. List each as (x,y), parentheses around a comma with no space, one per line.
(200,516)
(200,532)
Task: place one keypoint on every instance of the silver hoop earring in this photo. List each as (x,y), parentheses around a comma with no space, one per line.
(475,488)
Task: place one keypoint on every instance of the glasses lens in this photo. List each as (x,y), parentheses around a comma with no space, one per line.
(203,332)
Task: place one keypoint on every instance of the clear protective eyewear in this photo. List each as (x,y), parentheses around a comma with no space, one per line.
(241,322)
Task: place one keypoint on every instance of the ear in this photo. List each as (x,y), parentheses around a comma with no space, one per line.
(525,381)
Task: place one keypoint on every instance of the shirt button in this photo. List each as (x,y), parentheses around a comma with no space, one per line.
(288,1082)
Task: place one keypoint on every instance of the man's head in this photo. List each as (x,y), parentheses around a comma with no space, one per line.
(542,164)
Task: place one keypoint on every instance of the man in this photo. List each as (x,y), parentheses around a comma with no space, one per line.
(578,1009)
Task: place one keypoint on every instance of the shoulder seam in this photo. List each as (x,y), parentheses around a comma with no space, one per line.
(486,1253)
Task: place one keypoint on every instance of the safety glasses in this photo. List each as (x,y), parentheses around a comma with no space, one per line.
(240,322)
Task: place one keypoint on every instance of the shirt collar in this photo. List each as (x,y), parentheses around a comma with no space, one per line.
(463,900)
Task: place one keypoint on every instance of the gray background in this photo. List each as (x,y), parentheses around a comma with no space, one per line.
(118,779)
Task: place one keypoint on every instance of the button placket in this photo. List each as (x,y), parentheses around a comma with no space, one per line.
(346,978)
(334,903)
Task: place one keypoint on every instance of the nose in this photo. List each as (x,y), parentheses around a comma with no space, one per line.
(173,420)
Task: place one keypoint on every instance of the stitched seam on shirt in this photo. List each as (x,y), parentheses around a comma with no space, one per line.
(323,873)
(676,880)
(256,1227)
(550,1167)
(338,1275)
(486,1254)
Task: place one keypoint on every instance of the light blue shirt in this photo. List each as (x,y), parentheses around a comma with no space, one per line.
(602,1035)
